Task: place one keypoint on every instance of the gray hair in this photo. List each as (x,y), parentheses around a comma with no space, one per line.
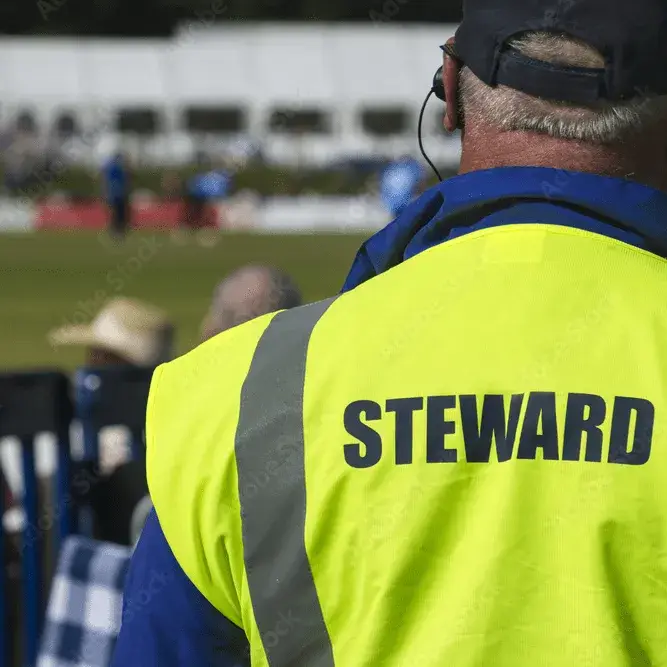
(510,110)
(247,293)
(285,293)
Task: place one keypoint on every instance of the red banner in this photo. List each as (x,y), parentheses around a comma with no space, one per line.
(95,215)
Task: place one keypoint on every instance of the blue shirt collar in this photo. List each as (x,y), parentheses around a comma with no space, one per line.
(626,210)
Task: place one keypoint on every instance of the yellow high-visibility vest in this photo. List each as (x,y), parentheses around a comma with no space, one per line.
(461,462)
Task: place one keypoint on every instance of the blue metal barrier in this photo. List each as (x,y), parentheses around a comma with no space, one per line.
(32,403)
(36,402)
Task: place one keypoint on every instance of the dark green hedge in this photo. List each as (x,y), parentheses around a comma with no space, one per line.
(267,181)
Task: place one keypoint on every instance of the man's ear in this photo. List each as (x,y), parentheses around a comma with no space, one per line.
(450,79)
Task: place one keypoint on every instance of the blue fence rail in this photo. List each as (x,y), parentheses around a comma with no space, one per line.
(32,403)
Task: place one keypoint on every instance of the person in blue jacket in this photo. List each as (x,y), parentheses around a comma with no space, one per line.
(208,186)
(116,176)
(400,183)
(562,108)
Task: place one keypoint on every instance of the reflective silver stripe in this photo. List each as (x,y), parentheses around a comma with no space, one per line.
(272,491)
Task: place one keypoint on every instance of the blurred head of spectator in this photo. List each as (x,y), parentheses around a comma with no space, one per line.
(25,123)
(23,154)
(117,162)
(66,126)
(248,293)
(125,331)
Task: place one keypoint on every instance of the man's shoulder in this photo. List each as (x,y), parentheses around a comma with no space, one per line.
(194,401)
(200,392)
(224,359)
(205,385)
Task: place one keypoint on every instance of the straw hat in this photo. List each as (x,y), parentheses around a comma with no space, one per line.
(132,329)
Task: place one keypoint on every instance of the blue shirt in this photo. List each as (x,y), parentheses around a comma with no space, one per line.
(399,182)
(115,179)
(211,185)
(178,627)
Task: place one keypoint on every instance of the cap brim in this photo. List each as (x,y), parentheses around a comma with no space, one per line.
(77,334)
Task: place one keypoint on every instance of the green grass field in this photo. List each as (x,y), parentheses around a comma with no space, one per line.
(51,279)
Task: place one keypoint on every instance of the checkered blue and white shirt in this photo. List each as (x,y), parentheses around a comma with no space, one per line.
(85,606)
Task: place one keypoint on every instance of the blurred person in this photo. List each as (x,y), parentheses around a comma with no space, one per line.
(116,181)
(210,185)
(461,459)
(247,293)
(126,332)
(22,156)
(400,182)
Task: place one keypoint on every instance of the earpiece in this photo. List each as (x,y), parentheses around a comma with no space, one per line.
(438,85)
(437,89)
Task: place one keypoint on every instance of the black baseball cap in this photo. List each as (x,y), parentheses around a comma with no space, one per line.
(630,34)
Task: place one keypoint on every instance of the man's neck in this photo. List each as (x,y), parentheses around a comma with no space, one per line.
(640,159)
